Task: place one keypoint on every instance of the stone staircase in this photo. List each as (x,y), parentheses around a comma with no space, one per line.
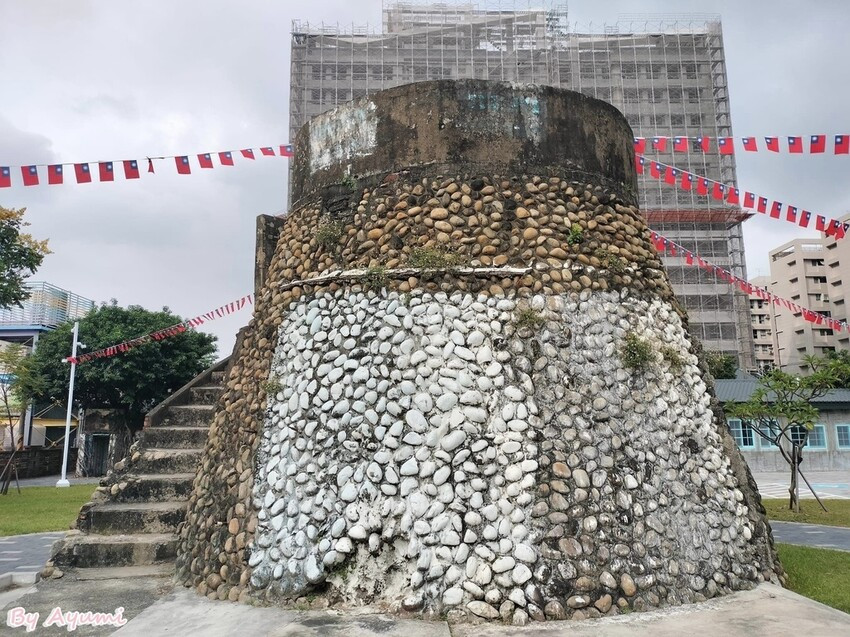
(133,516)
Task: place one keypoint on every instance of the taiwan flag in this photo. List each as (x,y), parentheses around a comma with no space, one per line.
(820,223)
(725,145)
(776,210)
(268,151)
(718,191)
(131,169)
(659,144)
(55,175)
(762,205)
(817,144)
(772,144)
(687,182)
(640,145)
(247,153)
(205,160)
(183,166)
(704,143)
(842,144)
(791,214)
(680,144)
(734,197)
(286,150)
(805,217)
(836,228)
(795,144)
(750,144)
(639,163)
(30,175)
(671,175)
(5,177)
(749,200)
(83,173)
(226,158)
(655,169)
(106,171)
(702,186)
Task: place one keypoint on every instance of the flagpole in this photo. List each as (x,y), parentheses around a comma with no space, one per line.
(63,481)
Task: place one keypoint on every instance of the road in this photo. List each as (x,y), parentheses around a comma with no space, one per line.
(818,535)
(26,553)
(830,485)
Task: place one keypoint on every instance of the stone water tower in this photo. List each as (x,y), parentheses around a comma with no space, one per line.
(467,388)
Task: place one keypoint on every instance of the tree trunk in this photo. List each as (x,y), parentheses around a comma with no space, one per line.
(793,502)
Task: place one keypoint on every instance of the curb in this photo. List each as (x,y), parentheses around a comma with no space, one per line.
(18,580)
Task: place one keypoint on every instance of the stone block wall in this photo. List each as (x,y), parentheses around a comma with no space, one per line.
(470,391)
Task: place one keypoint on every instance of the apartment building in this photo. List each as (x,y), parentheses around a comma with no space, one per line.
(761,314)
(667,75)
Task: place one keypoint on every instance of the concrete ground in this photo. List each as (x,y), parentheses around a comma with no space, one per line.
(26,553)
(829,485)
(154,606)
(50,481)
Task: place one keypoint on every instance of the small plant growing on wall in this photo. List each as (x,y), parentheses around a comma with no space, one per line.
(636,352)
(430,258)
(528,318)
(576,235)
(349,182)
(272,386)
(613,262)
(672,356)
(375,278)
(328,234)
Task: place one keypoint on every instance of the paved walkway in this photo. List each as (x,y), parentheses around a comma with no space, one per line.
(819,535)
(829,485)
(50,481)
(26,553)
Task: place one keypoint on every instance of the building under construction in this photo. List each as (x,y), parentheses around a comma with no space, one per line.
(667,74)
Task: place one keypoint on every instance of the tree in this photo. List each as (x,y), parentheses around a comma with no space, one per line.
(133,381)
(20,256)
(781,411)
(17,376)
(721,365)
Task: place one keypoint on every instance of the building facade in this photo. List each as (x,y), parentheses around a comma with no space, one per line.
(667,76)
(811,273)
(827,445)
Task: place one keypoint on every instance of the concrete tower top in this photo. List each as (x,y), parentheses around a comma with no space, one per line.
(470,123)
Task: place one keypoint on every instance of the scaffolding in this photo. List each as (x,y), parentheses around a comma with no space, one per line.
(666,73)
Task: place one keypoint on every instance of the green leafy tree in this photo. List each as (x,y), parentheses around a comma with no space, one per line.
(132,382)
(20,256)
(781,411)
(17,377)
(721,365)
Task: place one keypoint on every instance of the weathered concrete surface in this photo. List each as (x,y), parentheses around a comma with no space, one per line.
(473,123)
(71,594)
(185,613)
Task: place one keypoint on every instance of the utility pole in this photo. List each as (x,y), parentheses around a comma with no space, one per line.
(63,481)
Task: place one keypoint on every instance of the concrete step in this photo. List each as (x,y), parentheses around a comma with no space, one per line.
(206,394)
(155,487)
(125,572)
(112,518)
(93,551)
(168,461)
(188,416)
(175,437)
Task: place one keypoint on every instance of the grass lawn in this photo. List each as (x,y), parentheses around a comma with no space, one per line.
(40,509)
(820,574)
(838,512)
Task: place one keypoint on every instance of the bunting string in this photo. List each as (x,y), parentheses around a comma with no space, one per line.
(751,201)
(667,246)
(167,332)
(792,144)
(31,175)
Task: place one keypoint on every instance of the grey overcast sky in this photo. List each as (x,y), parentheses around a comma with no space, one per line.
(88,80)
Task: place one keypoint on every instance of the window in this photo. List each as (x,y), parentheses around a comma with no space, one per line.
(741,433)
(770,430)
(843,432)
(816,439)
